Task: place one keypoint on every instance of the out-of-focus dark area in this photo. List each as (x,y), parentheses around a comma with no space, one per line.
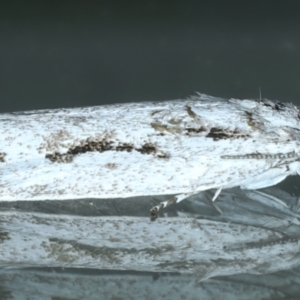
(77,53)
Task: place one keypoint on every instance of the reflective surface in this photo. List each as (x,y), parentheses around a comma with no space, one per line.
(111,247)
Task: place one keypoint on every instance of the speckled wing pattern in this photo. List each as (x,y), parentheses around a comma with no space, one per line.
(149,148)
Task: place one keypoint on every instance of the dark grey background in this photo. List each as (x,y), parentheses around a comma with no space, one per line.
(77,53)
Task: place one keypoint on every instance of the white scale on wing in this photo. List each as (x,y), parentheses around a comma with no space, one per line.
(151,148)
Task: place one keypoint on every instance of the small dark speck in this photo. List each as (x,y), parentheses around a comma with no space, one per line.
(2,156)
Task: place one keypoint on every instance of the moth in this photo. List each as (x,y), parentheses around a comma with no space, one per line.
(178,147)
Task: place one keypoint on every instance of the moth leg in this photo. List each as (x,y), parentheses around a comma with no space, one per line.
(154,210)
(217,193)
(265,198)
(298,205)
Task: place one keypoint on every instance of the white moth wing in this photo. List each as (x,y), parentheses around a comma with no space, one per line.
(149,148)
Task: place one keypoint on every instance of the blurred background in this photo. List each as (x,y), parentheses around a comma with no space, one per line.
(87,52)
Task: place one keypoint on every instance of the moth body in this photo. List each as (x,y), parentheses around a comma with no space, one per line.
(151,148)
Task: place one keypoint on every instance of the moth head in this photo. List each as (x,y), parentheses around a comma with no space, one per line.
(279,114)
